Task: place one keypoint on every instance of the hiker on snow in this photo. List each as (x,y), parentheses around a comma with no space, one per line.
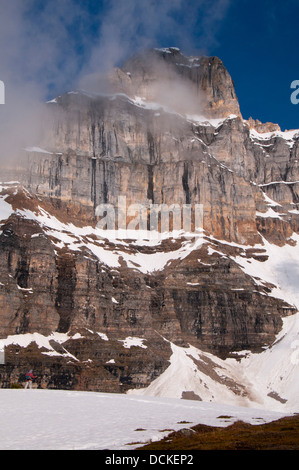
(29,377)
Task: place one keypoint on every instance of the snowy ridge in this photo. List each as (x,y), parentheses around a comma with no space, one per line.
(144,103)
(263,139)
(287,135)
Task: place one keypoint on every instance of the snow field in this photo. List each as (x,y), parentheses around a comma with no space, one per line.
(70,420)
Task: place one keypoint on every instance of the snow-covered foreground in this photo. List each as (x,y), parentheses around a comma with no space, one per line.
(69,420)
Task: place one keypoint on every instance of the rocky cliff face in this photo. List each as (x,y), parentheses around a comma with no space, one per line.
(168,130)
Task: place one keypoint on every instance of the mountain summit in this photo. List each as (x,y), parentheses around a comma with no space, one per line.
(195,85)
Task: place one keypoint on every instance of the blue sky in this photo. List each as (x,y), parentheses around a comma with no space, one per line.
(258,42)
(47,46)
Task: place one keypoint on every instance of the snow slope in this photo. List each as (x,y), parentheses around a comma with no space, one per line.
(277,368)
(68,420)
(265,380)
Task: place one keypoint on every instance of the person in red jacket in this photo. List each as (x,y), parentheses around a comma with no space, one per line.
(29,377)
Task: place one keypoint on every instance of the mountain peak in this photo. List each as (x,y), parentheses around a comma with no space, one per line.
(202,82)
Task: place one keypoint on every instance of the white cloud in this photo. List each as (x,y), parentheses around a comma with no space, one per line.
(47,46)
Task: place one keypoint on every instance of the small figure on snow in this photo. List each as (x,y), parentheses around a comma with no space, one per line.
(29,377)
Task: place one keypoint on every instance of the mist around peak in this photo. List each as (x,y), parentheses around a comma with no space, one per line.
(49,48)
